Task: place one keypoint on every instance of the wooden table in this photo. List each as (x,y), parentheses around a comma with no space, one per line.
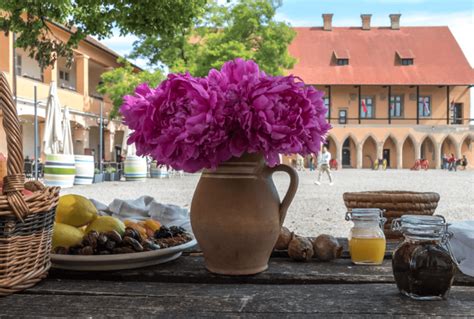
(183,288)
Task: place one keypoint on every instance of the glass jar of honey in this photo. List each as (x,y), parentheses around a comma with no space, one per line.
(366,238)
(423,264)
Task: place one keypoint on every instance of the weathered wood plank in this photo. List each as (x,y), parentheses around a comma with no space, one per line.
(190,269)
(54,298)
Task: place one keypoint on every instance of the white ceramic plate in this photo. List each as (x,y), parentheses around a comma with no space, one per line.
(119,261)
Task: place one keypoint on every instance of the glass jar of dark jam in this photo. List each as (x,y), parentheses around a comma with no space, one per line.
(422,264)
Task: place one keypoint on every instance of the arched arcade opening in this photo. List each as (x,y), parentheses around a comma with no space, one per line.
(349,153)
(408,153)
(369,152)
(427,151)
(390,152)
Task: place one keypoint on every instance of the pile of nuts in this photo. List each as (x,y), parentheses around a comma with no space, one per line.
(323,247)
(112,242)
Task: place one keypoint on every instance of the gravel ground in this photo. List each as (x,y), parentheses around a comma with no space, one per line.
(315,209)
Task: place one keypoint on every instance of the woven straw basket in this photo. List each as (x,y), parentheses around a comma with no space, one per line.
(395,204)
(26,222)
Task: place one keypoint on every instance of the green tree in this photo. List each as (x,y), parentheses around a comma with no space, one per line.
(30,19)
(122,81)
(245,28)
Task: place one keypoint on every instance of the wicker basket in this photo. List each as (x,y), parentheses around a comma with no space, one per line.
(26,222)
(395,204)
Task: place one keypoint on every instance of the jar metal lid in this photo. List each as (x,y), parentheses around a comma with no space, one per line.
(421,225)
(365,214)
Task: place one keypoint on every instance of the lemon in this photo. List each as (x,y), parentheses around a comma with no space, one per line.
(75,210)
(104,224)
(66,235)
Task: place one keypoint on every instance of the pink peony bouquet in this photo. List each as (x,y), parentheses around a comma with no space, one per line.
(192,123)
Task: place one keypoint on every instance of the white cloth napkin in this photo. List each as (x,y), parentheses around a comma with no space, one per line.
(146,207)
(462,244)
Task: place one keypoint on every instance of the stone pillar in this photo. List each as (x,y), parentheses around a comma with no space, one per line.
(359,156)
(109,141)
(82,74)
(339,155)
(82,79)
(50,74)
(417,151)
(437,149)
(109,138)
(399,156)
(379,150)
(457,147)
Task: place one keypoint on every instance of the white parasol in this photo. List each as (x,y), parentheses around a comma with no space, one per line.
(68,148)
(52,129)
(128,150)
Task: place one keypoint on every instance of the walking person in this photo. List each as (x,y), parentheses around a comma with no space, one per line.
(323,164)
(299,162)
(464,162)
(311,162)
(444,164)
(452,163)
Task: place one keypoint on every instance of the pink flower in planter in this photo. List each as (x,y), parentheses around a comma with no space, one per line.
(193,123)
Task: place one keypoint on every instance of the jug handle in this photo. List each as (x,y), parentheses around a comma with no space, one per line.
(292,188)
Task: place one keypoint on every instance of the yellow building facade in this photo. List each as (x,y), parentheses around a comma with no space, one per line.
(77,89)
(400,139)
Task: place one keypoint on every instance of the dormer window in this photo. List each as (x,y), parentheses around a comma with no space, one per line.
(405,57)
(341,56)
(342,61)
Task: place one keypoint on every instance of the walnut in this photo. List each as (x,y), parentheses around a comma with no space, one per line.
(284,239)
(326,248)
(300,249)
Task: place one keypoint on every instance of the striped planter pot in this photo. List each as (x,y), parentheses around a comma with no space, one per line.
(158,171)
(59,170)
(135,168)
(84,169)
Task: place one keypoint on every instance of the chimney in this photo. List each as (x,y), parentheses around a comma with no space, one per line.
(395,21)
(365,21)
(327,19)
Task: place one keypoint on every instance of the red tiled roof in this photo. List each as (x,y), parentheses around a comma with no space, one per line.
(373,56)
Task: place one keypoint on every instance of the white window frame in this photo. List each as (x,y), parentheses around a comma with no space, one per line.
(402,105)
(421,111)
(363,115)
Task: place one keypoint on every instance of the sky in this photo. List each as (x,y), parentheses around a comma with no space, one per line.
(457,14)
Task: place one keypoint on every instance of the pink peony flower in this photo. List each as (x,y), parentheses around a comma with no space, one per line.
(193,123)
(180,123)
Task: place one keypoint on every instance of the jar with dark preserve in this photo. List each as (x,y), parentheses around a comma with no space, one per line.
(423,264)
